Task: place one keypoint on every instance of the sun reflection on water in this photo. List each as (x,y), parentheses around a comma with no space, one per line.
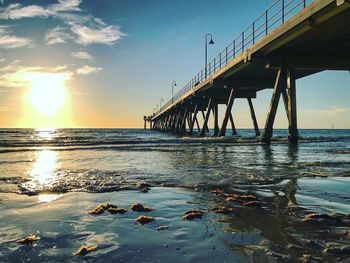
(44,167)
(46,198)
(43,175)
(46,134)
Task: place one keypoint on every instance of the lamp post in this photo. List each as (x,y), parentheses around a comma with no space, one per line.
(211,42)
(173,84)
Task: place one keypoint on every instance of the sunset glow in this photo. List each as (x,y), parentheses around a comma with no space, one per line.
(46,100)
(47,92)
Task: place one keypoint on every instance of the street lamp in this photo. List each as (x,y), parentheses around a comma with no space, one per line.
(211,42)
(173,84)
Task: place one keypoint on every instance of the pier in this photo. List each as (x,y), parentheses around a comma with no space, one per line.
(290,40)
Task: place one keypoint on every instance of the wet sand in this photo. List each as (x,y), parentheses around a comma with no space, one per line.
(275,231)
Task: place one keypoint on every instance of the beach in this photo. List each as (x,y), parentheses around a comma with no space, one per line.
(287,203)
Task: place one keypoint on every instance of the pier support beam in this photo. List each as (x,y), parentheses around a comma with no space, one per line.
(252,114)
(285,85)
(234,132)
(216,119)
(193,119)
(183,121)
(227,114)
(206,119)
(292,108)
(268,130)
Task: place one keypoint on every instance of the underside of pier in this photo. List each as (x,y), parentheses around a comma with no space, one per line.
(315,39)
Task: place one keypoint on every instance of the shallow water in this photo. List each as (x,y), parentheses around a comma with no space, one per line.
(50,178)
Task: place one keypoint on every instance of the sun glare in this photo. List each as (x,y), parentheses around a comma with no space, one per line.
(47,92)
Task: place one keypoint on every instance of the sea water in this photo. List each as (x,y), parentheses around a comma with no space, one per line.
(49,179)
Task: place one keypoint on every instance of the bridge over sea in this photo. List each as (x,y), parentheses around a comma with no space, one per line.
(290,40)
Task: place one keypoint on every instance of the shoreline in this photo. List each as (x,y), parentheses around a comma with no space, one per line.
(214,238)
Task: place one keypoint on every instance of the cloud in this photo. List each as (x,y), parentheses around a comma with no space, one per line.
(86,70)
(87,36)
(70,13)
(82,55)
(10,41)
(330,111)
(17,11)
(56,36)
(15,75)
(66,5)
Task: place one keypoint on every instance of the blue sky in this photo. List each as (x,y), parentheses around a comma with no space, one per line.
(118,58)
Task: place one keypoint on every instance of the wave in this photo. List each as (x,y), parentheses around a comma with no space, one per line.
(151,144)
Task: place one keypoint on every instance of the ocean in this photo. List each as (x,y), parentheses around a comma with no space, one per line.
(50,179)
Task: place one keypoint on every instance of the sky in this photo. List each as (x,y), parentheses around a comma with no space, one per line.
(107,63)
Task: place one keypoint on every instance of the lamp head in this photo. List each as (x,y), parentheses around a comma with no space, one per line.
(211,42)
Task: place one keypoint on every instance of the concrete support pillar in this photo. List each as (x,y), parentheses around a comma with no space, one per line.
(252,114)
(292,108)
(268,129)
(183,120)
(227,113)
(193,119)
(234,132)
(206,119)
(216,119)
(285,86)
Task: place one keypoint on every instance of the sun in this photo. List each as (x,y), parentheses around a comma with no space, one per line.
(47,92)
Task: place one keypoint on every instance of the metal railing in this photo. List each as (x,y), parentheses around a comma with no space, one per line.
(279,12)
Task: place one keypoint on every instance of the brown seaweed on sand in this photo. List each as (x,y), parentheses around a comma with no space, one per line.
(28,240)
(221,209)
(83,250)
(193,214)
(239,198)
(113,209)
(99,209)
(320,217)
(140,208)
(144,219)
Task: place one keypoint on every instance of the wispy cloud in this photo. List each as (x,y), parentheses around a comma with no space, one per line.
(86,70)
(17,11)
(330,111)
(87,36)
(17,75)
(82,55)
(57,35)
(7,40)
(85,28)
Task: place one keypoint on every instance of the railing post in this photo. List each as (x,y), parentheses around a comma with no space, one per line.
(242,42)
(253,33)
(266,22)
(209,68)
(220,61)
(226,55)
(304,3)
(214,64)
(234,48)
(282,11)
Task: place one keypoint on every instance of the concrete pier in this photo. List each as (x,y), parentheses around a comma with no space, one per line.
(298,40)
